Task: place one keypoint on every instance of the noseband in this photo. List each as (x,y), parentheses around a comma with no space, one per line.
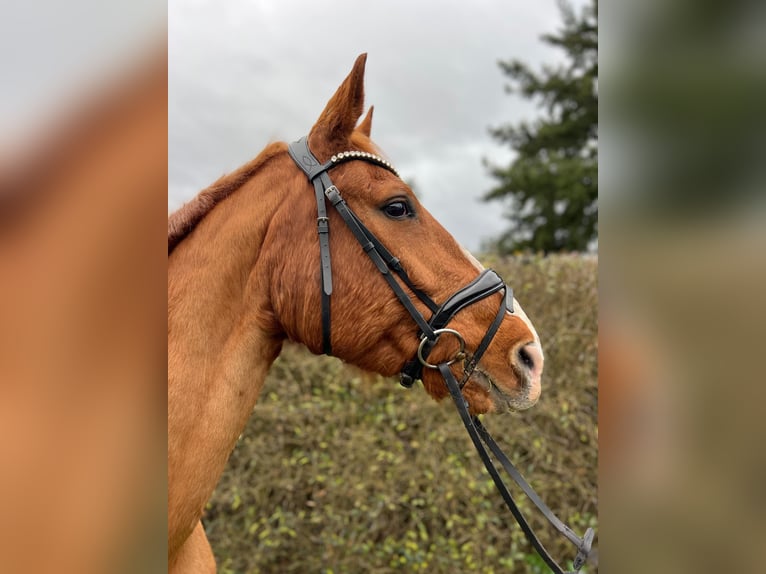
(486,284)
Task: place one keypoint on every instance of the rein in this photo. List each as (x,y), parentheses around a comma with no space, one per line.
(486,284)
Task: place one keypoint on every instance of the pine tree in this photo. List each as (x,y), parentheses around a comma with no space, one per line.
(551,186)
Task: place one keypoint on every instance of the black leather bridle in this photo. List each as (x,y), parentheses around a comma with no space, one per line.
(486,284)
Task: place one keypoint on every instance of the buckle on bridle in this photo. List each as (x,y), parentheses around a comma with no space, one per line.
(459,356)
(584,550)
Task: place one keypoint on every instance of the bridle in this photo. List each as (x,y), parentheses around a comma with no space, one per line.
(486,284)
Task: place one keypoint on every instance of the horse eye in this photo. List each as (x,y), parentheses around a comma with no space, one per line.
(397,210)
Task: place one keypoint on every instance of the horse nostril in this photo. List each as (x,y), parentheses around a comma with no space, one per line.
(530,358)
(526,359)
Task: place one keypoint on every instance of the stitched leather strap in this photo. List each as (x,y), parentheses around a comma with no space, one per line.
(316,173)
(395,265)
(302,156)
(469,367)
(483,286)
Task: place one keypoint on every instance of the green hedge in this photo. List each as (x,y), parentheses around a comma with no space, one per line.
(342,471)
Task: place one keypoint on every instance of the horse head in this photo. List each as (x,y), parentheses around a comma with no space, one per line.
(370,327)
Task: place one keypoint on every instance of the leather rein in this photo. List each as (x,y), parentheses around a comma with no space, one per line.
(486,284)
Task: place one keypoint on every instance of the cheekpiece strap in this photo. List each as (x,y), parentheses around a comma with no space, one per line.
(316,173)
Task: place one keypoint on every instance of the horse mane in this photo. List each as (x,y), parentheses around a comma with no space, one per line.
(183,221)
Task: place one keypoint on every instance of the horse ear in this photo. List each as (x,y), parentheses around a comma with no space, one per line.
(366,126)
(333,128)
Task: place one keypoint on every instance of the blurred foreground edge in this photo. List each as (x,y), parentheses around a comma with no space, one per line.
(82,333)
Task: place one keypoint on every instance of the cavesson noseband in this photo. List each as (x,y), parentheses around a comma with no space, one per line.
(487,283)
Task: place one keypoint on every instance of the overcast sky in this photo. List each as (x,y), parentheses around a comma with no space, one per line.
(243,73)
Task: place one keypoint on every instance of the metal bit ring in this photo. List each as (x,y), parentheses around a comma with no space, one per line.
(458,357)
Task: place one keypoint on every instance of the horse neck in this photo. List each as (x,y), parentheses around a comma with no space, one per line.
(221,343)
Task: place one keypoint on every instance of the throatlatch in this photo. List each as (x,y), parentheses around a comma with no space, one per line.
(486,284)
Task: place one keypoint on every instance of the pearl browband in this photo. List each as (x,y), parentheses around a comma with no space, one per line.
(347,155)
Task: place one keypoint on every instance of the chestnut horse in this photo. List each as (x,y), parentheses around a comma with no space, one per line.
(244,275)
